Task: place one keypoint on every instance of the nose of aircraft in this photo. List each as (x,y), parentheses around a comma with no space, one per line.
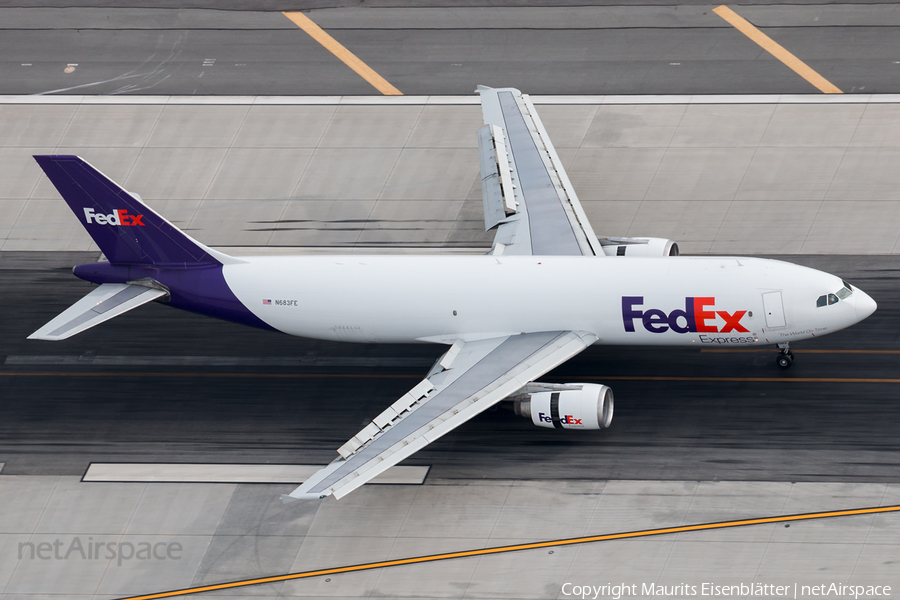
(865,306)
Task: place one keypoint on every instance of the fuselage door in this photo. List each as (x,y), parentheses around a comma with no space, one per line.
(774,308)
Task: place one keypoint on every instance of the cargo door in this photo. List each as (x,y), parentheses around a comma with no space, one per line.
(774,308)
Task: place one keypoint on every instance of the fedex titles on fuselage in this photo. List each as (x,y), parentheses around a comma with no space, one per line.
(698,316)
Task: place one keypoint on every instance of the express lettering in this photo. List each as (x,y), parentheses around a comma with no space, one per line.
(116,217)
(708,339)
(698,316)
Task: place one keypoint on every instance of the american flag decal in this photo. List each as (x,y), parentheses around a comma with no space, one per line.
(267,302)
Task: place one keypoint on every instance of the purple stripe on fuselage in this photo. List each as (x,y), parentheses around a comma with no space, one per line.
(200,289)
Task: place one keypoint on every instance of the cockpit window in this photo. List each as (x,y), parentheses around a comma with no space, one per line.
(842,294)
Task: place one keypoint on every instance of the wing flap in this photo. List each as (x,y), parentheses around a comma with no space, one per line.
(387,418)
(482,373)
(497,189)
(102,304)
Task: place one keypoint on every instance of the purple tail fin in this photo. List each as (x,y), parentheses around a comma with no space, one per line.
(127,230)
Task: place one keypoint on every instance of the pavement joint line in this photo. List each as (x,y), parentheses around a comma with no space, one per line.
(348,58)
(519,547)
(212,375)
(313,361)
(712,99)
(776,50)
(131,374)
(216,361)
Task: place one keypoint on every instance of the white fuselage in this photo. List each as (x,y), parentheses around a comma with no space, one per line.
(668,301)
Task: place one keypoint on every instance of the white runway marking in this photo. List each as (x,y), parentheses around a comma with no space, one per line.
(231,473)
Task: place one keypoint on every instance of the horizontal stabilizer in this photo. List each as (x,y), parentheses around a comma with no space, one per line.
(102,304)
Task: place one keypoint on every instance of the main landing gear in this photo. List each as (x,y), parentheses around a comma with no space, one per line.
(785,356)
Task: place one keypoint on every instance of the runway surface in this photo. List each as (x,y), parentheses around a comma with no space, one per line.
(124,391)
(444,50)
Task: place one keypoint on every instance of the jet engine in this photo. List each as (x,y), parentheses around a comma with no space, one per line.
(568,406)
(638,246)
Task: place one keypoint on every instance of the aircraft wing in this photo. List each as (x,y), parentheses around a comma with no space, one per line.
(468,379)
(527,195)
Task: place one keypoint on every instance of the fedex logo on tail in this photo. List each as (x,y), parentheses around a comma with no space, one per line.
(699,315)
(116,217)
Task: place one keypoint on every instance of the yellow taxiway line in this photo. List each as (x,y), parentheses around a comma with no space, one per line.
(776,50)
(348,58)
(517,547)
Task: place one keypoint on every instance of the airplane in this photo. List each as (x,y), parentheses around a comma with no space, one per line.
(548,289)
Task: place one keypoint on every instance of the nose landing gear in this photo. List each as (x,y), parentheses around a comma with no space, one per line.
(785,356)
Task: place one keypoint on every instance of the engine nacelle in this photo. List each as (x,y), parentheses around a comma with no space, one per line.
(652,247)
(587,406)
